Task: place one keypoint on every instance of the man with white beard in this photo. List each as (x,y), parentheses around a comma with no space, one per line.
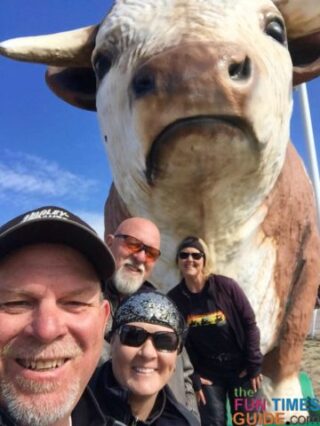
(53,318)
(135,246)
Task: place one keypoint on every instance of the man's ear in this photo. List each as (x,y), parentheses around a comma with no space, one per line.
(107,311)
(109,239)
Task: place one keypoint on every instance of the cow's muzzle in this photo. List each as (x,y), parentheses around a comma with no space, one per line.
(208,135)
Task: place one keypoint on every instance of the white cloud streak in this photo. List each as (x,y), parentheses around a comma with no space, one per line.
(24,174)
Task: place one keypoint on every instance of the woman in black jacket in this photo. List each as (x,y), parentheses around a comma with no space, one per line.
(223,339)
(146,336)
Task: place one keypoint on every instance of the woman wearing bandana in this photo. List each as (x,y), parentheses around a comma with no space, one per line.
(147,335)
(223,339)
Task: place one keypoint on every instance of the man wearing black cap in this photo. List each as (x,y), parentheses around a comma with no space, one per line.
(53,268)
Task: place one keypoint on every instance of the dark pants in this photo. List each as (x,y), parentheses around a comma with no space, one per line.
(214,413)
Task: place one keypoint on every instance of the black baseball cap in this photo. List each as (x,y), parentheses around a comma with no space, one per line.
(51,224)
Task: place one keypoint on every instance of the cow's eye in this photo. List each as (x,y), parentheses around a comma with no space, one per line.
(102,64)
(275,29)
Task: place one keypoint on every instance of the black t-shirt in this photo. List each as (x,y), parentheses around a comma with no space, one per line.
(213,343)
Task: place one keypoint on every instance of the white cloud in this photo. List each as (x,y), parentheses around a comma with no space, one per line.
(27,175)
(27,182)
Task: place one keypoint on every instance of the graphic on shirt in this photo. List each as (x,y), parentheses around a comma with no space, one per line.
(210,318)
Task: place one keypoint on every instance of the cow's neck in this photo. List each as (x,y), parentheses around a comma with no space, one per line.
(228,216)
(225,214)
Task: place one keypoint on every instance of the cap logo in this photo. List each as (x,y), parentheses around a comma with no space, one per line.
(46,214)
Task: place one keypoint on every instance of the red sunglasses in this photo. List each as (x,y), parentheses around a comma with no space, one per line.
(135,245)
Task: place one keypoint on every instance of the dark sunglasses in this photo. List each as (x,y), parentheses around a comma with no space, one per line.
(135,245)
(195,256)
(163,341)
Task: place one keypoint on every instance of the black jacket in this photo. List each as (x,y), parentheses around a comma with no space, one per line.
(113,296)
(113,400)
(230,298)
(86,413)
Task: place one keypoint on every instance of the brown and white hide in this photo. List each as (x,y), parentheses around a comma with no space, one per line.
(194,100)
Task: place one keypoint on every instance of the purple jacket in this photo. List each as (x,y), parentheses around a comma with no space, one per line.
(230,298)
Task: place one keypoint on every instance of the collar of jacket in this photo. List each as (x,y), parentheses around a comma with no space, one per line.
(5,419)
(208,286)
(87,412)
(114,297)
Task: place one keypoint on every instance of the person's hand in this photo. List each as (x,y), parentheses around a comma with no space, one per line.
(256,382)
(205,382)
(242,374)
(201,399)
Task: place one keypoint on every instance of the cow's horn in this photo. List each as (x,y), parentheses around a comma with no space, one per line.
(69,48)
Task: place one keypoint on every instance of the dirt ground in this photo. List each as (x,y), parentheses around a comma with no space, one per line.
(311,362)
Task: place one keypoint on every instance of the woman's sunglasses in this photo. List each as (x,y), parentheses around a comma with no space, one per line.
(163,341)
(195,256)
(135,245)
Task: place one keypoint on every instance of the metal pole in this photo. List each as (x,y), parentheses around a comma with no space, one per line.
(303,94)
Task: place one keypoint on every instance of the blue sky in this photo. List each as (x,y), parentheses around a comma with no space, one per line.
(50,152)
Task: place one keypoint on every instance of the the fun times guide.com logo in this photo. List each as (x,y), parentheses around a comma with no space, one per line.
(250,410)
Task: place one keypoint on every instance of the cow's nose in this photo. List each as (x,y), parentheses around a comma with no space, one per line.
(240,70)
(193,69)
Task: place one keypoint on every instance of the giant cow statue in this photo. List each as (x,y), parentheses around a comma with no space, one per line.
(194,99)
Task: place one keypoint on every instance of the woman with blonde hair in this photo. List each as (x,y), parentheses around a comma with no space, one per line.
(223,339)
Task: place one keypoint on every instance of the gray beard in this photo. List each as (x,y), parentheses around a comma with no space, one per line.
(31,413)
(125,284)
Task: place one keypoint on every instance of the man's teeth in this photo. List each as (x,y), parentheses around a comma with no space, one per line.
(144,370)
(134,268)
(41,364)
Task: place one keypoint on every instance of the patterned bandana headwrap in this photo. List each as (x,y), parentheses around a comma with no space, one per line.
(150,307)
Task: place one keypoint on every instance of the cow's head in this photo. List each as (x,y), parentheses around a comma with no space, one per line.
(190,94)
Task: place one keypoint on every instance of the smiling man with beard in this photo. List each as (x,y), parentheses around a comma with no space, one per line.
(135,246)
(53,317)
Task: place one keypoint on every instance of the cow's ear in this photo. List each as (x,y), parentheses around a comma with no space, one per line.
(305,54)
(75,85)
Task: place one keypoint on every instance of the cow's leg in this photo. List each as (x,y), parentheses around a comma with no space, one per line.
(284,396)
(281,366)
